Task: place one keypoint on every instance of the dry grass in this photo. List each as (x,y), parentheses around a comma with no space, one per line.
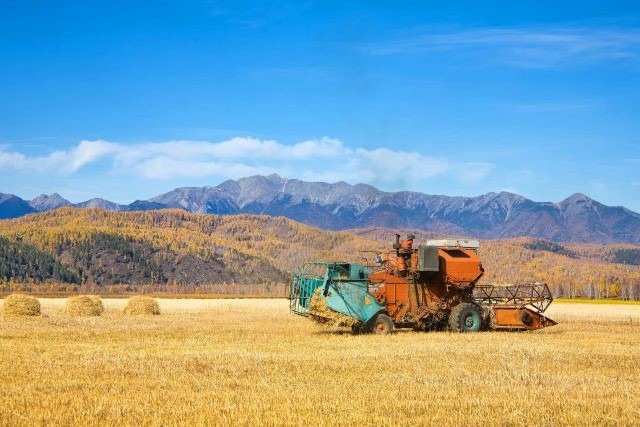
(83,305)
(21,305)
(249,362)
(141,305)
(605,313)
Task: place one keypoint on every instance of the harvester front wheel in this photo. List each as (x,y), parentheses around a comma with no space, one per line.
(383,324)
(465,317)
(357,328)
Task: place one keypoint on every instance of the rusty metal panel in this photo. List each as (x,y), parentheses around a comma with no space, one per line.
(513,317)
(428,259)
(461,266)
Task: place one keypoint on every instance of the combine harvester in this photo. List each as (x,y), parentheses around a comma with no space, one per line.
(431,287)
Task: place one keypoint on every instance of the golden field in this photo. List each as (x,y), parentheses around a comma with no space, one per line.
(249,362)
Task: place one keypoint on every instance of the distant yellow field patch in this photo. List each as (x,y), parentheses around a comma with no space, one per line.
(598,301)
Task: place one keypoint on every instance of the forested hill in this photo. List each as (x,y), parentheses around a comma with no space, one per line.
(168,246)
(97,247)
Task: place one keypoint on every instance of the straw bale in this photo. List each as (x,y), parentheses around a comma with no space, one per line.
(141,305)
(21,305)
(320,313)
(84,305)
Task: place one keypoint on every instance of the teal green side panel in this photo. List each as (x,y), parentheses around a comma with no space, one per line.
(346,284)
(302,290)
(308,287)
(352,299)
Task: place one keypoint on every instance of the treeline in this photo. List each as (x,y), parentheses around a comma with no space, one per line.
(165,249)
(267,289)
(105,258)
(572,271)
(20,262)
(282,243)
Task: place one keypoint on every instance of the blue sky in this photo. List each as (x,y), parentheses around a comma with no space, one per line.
(127,100)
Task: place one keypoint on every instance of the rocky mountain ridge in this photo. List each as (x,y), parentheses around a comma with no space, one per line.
(342,206)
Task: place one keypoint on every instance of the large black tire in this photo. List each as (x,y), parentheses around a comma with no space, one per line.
(465,317)
(382,324)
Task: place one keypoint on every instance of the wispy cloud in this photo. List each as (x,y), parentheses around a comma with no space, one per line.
(308,72)
(324,159)
(555,106)
(522,46)
(58,161)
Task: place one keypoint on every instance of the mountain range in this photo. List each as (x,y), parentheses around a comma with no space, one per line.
(343,206)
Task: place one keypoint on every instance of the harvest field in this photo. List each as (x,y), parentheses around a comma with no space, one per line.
(249,362)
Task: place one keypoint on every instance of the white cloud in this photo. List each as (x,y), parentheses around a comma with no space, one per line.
(11,160)
(324,159)
(58,161)
(475,171)
(167,168)
(87,152)
(415,164)
(636,183)
(18,161)
(510,190)
(521,46)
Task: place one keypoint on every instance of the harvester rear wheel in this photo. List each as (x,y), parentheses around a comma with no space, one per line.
(382,325)
(465,317)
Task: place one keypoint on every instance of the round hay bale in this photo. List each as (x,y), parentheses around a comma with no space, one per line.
(84,305)
(21,305)
(141,305)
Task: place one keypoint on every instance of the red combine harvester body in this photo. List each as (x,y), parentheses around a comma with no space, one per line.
(433,286)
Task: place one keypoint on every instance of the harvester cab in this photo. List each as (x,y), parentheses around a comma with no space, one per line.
(431,287)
